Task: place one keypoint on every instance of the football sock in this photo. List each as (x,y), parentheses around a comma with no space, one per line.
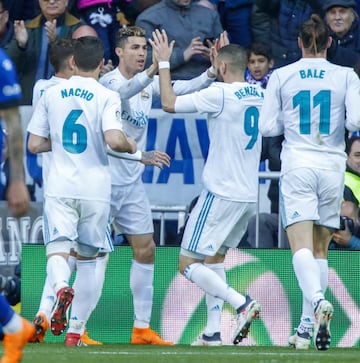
(214,304)
(100,270)
(58,272)
(212,284)
(141,284)
(307,272)
(84,293)
(324,272)
(6,312)
(47,299)
(13,325)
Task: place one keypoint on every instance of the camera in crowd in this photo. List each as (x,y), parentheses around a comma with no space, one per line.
(10,288)
(347,221)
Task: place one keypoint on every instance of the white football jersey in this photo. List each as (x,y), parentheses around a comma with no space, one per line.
(75,114)
(39,88)
(231,168)
(136,99)
(311,101)
(42,85)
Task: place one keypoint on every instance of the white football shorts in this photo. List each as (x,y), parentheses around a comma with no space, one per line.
(215,223)
(70,219)
(311,195)
(130,209)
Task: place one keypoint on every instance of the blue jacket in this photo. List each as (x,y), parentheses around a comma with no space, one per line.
(345,51)
(283,19)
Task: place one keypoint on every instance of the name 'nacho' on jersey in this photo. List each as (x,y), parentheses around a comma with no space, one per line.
(77,92)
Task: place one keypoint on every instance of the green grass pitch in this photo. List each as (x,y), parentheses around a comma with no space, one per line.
(57,353)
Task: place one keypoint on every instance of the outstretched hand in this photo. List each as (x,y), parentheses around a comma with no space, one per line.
(219,43)
(162,49)
(155,158)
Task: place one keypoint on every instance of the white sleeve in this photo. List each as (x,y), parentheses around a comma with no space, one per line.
(182,87)
(37,92)
(270,123)
(39,124)
(111,116)
(352,122)
(208,100)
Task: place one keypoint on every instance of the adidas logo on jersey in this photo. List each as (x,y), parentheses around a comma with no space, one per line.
(209,248)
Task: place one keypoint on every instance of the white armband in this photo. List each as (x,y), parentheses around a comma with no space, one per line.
(127,156)
(212,70)
(163,65)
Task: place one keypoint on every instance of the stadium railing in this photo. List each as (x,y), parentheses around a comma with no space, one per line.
(163,213)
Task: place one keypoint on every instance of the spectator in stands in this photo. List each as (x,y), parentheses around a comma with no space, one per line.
(349,235)
(106,18)
(6,26)
(235,16)
(343,22)
(22,9)
(29,47)
(190,25)
(277,22)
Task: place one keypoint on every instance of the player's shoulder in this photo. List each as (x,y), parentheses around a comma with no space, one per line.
(110,78)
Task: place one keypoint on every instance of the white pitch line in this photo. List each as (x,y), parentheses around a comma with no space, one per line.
(213,353)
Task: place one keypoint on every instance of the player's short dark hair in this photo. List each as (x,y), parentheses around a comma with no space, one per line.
(131,31)
(260,48)
(88,53)
(59,52)
(234,56)
(314,34)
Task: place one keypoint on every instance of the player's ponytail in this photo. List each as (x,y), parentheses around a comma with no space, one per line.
(314,34)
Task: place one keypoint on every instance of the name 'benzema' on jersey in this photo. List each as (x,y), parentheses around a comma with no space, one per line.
(248,91)
(77,92)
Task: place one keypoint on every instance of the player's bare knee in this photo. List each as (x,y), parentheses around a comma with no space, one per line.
(144,252)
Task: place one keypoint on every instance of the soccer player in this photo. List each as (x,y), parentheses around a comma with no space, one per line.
(137,87)
(75,120)
(229,196)
(17,330)
(308,102)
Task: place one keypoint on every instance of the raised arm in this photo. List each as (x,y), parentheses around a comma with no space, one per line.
(162,50)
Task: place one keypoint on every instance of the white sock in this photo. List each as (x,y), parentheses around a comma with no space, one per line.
(324,272)
(307,272)
(58,272)
(141,284)
(101,263)
(14,325)
(212,284)
(47,299)
(84,293)
(214,304)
